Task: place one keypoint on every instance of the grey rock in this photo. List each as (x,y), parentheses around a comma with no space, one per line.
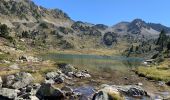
(19,80)
(34,89)
(132,90)
(33,98)
(82,74)
(48,91)
(50,81)
(101,96)
(70,74)
(24,79)
(29,88)
(161,83)
(9,93)
(140,84)
(59,79)
(65,68)
(28,58)
(52,75)
(1,82)
(10,80)
(14,66)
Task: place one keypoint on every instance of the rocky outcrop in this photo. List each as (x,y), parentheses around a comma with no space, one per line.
(71,71)
(19,80)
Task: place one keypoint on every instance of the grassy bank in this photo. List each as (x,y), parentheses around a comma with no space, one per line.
(159,72)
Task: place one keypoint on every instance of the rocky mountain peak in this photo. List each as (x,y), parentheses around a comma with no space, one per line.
(138,23)
(137,26)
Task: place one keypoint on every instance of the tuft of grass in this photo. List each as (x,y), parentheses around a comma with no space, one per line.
(38,77)
(5,73)
(116,96)
(3,56)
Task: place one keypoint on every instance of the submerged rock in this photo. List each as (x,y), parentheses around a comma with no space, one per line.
(85,91)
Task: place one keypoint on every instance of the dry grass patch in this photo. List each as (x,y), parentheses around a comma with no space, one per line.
(159,72)
(5,73)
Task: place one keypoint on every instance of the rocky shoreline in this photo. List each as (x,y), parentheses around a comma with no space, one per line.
(20,86)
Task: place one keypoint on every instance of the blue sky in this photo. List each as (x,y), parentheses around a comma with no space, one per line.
(110,12)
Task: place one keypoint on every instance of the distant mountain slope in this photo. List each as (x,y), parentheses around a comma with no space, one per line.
(26,11)
(139,26)
(54,28)
(159,27)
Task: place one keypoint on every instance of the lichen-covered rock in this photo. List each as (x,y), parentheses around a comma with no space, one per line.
(51,75)
(19,80)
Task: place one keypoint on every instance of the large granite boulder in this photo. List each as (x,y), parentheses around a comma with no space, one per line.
(6,93)
(19,80)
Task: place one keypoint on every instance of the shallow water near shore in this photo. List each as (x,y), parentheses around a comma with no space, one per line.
(95,61)
(105,69)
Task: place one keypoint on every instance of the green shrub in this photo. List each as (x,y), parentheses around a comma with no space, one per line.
(4,31)
(43,25)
